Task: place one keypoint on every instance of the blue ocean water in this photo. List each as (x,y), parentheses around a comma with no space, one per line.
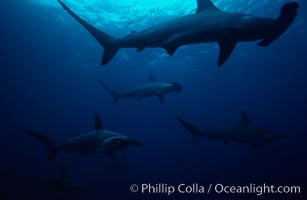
(49,72)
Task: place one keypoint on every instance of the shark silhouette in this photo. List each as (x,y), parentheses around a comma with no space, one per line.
(245,133)
(98,140)
(208,24)
(152,88)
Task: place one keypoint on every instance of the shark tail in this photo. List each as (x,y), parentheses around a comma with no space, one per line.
(286,17)
(48,142)
(192,129)
(114,94)
(106,41)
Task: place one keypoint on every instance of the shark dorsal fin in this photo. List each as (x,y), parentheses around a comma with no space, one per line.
(205,5)
(152,78)
(245,120)
(98,123)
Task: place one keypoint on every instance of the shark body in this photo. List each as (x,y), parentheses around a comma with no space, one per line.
(208,24)
(98,140)
(245,133)
(152,88)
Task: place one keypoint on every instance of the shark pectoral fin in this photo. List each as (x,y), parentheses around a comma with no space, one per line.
(111,154)
(130,34)
(161,98)
(109,53)
(204,5)
(171,43)
(140,49)
(226,48)
(265,42)
(171,49)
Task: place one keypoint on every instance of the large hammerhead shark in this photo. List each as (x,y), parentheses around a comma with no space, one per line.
(208,24)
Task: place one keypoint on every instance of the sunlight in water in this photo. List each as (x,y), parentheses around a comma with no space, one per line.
(139,14)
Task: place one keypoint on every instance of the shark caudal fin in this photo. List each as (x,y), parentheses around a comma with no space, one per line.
(114,94)
(105,40)
(287,15)
(48,142)
(192,129)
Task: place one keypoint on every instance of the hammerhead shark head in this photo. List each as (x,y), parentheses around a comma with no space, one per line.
(208,24)
(245,133)
(152,88)
(98,140)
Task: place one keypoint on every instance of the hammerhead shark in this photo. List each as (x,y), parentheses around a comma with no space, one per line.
(245,133)
(208,24)
(152,88)
(98,140)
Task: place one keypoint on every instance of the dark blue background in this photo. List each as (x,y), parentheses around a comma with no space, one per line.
(49,75)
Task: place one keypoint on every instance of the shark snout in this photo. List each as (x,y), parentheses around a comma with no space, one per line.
(276,137)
